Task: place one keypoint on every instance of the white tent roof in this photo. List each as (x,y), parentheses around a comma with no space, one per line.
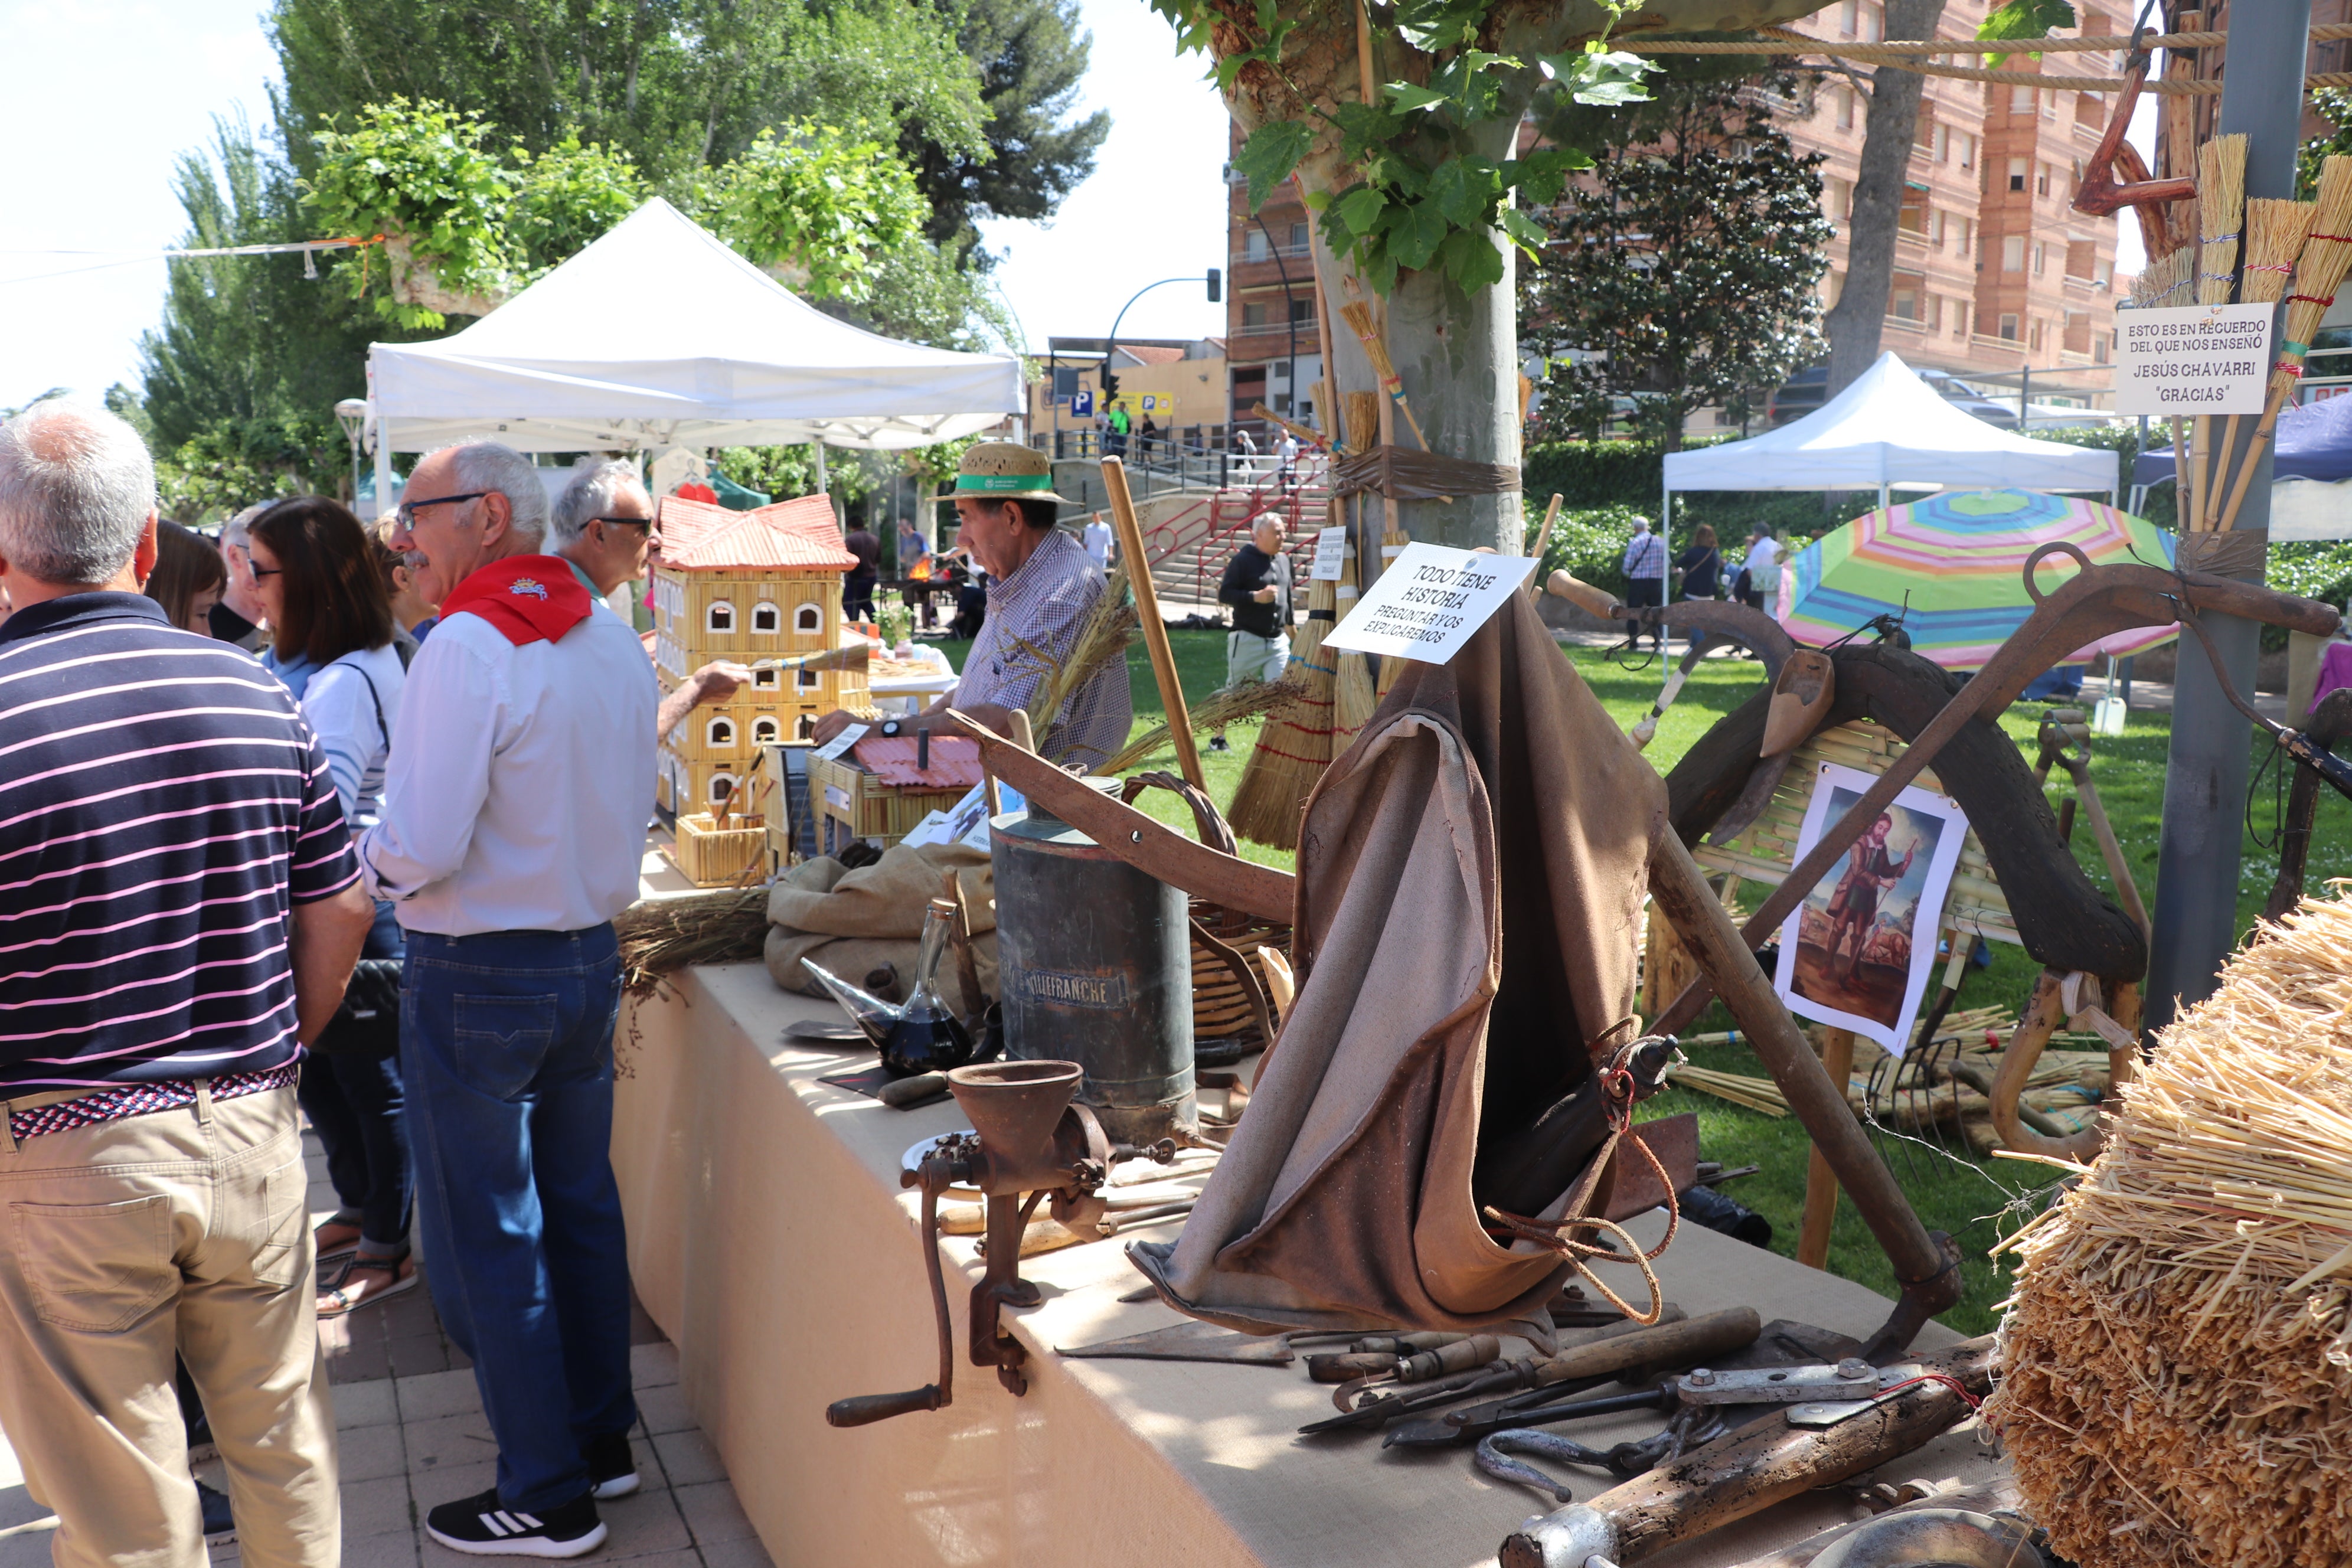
(658,335)
(1888,429)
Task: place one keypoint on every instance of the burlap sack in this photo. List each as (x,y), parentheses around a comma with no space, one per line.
(853,922)
(1470,881)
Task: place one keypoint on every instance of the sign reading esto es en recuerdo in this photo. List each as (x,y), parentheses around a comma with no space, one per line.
(2194,359)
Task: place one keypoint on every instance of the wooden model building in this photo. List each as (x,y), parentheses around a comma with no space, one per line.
(746,586)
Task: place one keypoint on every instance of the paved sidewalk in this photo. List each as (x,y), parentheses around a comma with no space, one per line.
(411,1434)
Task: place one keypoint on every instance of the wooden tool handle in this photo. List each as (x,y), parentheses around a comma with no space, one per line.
(1155,630)
(867,1409)
(1583,596)
(1346,1366)
(1666,1344)
(1463,1356)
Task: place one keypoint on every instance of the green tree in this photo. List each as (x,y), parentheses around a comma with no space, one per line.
(1032,57)
(1688,258)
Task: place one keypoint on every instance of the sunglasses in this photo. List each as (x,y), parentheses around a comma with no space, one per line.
(645,522)
(406,510)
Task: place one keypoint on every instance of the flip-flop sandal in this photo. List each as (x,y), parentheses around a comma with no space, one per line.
(350,1292)
(336,1240)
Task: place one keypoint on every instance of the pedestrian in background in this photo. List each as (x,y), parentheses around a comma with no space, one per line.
(1256,585)
(1763,569)
(188,577)
(153,1024)
(858,582)
(1644,565)
(515,811)
(1097,540)
(332,629)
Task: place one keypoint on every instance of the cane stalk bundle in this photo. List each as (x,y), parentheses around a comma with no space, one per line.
(2177,1359)
(1292,751)
(1220,709)
(1359,314)
(2221,214)
(1109,629)
(1362,411)
(1758,1094)
(1393,545)
(2326,257)
(2276,233)
(2164,283)
(1354,693)
(660,936)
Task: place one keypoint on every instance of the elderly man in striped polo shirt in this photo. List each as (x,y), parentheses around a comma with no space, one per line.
(183,912)
(1042,586)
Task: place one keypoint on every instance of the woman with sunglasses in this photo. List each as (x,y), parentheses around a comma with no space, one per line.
(318,579)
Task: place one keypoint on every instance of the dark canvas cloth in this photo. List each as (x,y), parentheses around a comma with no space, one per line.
(1470,881)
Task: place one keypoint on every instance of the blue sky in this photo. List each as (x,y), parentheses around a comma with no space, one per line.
(106,94)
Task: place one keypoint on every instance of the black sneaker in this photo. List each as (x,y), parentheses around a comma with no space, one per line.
(478,1525)
(1217,743)
(612,1467)
(220,1525)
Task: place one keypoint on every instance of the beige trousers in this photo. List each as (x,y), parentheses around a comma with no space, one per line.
(184,1229)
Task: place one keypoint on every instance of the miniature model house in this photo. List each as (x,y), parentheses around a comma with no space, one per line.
(746,586)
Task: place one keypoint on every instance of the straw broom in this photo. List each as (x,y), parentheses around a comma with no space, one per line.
(2326,255)
(1362,411)
(1356,694)
(2275,232)
(2159,286)
(1393,545)
(2178,1358)
(1292,751)
(1220,709)
(2221,212)
(660,936)
(1359,314)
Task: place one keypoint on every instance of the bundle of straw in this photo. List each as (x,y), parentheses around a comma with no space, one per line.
(2163,283)
(1356,694)
(2221,213)
(2178,1358)
(660,936)
(1292,751)
(2326,255)
(1109,629)
(1393,545)
(1359,314)
(2275,232)
(1220,709)
(1362,411)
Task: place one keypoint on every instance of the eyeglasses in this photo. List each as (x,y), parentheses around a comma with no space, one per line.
(406,510)
(260,571)
(645,522)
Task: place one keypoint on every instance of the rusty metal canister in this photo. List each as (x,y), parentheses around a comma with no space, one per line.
(1095,966)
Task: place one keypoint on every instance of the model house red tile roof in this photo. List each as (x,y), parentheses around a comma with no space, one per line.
(798,534)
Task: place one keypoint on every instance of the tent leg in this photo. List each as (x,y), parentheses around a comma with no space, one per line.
(382,470)
(1667,587)
(1884,494)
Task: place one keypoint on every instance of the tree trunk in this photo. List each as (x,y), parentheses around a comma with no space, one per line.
(1854,321)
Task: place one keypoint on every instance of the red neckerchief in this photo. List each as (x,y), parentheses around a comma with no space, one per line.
(527,597)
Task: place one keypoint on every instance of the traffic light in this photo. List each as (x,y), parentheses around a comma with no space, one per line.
(1216,284)
(1109,385)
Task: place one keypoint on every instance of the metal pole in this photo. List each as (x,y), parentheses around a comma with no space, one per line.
(2024,395)
(1288,309)
(2205,784)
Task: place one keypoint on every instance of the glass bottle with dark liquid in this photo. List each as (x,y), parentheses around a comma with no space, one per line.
(928,1036)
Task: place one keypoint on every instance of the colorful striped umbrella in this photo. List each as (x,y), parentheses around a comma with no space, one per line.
(1959,558)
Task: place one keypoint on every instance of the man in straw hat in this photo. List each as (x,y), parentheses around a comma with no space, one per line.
(1042,586)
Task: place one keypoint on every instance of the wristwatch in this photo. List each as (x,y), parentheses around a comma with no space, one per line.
(891,726)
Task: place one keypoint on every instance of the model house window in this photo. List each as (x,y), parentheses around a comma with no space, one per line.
(721,786)
(766,732)
(809,680)
(2009,328)
(2012,253)
(2017,174)
(767,618)
(808,618)
(719,616)
(763,678)
(806,729)
(721,733)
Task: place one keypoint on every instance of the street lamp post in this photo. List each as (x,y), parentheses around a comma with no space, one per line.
(1288,309)
(1215,278)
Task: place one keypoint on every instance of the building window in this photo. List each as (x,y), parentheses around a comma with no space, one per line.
(1253,316)
(1256,249)
(1302,311)
(1938,228)
(720,734)
(766,678)
(2098,351)
(1940,146)
(721,786)
(1849,14)
(1844,110)
(2017,174)
(766,732)
(2049,106)
(767,618)
(1298,237)
(2042,179)
(2041,257)
(1968,151)
(2102,273)
(2009,328)
(2034,335)
(1912,217)
(1873,23)
(2021,101)
(1968,235)
(808,620)
(2012,253)
(719,615)
(1960,318)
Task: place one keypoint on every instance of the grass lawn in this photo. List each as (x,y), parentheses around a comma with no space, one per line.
(1952,1191)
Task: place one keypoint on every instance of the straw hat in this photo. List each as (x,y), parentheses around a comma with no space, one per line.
(1004,470)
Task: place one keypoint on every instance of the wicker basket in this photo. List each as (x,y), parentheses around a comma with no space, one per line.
(848,803)
(721,858)
(1221,1010)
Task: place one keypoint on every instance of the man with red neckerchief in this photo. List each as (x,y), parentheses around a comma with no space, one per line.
(515,803)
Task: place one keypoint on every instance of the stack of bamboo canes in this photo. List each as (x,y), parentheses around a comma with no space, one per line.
(2177,1359)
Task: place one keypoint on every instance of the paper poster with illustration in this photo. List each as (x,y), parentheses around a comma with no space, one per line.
(1858,952)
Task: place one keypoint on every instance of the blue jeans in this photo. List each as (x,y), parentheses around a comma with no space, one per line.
(356,1105)
(506,1041)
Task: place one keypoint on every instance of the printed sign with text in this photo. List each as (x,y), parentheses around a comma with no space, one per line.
(2195,359)
(1331,555)
(1429,602)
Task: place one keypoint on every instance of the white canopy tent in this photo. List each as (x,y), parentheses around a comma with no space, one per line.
(658,335)
(1890,429)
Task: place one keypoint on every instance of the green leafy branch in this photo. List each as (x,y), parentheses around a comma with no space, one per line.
(1423,198)
(2023,19)
(418,171)
(820,206)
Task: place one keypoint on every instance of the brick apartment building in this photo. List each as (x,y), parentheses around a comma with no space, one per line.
(1270,303)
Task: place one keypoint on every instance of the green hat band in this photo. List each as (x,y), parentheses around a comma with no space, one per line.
(965,482)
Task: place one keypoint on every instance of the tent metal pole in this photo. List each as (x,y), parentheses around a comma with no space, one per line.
(2195,917)
(1666,585)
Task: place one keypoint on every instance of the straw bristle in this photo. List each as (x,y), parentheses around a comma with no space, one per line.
(2326,255)
(2275,232)
(2161,283)
(2177,1359)
(1354,696)
(1108,630)
(660,936)
(1292,751)
(1393,544)
(1227,705)
(2221,208)
(1359,314)
(1364,415)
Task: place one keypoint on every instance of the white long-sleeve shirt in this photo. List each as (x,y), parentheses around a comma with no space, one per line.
(521,783)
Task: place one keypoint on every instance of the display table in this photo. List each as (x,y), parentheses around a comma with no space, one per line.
(770,1239)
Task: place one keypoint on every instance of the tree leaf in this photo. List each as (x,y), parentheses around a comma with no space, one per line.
(1270,154)
(1416,233)
(2024,19)
(1360,209)
(1409,96)
(1472,260)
